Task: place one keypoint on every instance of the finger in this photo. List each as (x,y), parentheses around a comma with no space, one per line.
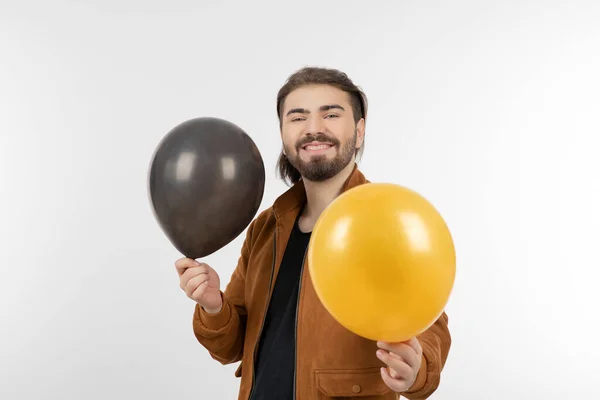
(193,284)
(192,272)
(403,370)
(393,373)
(410,357)
(184,263)
(389,346)
(399,357)
(195,281)
(416,345)
(412,362)
(199,291)
(397,385)
(404,351)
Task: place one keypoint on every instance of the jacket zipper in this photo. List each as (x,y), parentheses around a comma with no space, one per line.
(296,324)
(264,317)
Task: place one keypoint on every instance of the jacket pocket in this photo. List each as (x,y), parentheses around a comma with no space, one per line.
(365,384)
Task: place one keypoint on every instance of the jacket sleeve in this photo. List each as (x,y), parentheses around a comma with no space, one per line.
(435,343)
(222,334)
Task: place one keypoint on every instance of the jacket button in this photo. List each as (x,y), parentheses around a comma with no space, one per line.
(356,388)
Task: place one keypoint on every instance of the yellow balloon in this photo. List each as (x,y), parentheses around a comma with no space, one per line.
(382,261)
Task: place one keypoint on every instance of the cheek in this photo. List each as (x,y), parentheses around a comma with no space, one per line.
(345,137)
(289,136)
(289,143)
(343,130)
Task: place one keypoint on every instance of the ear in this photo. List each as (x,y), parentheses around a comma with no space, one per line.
(360,133)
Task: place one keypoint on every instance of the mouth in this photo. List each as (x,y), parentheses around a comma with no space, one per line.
(317,147)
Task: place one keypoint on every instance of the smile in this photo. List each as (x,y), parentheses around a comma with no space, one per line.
(317,146)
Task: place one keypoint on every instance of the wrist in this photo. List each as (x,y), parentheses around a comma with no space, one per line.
(212,310)
(214,321)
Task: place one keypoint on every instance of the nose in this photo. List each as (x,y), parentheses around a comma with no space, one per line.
(314,125)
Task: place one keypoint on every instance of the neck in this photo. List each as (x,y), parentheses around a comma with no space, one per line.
(320,194)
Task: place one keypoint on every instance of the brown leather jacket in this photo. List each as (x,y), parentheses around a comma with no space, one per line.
(331,361)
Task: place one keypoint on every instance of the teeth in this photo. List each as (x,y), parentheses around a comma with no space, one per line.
(319,147)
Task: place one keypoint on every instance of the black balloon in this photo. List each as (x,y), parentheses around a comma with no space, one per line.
(206,183)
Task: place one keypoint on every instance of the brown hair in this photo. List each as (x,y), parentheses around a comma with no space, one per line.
(318,76)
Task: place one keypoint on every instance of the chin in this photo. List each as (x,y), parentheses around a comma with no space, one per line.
(318,158)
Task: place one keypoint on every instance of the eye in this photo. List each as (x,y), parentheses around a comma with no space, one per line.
(297,119)
(331,116)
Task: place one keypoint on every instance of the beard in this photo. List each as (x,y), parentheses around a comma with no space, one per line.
(319,168)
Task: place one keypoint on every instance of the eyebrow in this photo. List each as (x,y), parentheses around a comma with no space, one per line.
(322,108)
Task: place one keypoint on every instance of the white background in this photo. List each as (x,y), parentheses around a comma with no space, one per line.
(491,109)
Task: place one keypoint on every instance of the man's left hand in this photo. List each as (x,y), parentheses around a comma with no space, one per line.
(403,360)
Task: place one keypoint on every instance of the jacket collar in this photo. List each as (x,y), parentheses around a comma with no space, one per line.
(296,195)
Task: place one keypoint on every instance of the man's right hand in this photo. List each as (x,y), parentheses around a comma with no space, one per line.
(200,283)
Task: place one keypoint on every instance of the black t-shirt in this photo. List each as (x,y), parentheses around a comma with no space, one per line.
(276,358)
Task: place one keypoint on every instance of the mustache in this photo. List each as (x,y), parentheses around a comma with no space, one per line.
(321,137)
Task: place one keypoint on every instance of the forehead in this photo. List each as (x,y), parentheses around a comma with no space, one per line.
(314,96)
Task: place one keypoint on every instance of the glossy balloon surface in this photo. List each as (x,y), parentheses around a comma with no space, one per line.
(206,183)
(382,261)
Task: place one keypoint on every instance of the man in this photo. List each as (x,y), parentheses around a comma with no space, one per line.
(269,315)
